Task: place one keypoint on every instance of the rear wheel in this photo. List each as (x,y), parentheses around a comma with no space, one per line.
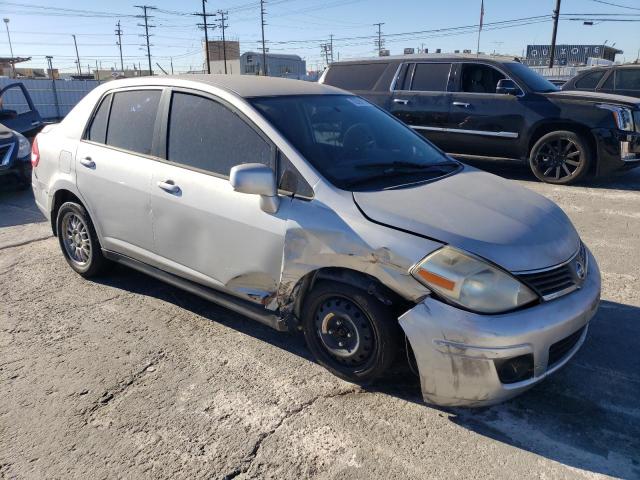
(78,240)
(561,157)
(350,332)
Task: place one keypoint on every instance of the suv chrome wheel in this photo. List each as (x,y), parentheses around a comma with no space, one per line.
(76,239)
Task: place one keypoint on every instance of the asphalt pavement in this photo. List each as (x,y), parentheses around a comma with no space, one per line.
(126,377)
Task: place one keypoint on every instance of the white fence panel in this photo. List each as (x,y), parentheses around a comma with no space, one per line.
(69,93)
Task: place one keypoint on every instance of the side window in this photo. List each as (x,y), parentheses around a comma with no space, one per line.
(431,77)
(628,79)
(290,180)
(135,108)
(362,76)
(13,99)
(401,80)
(608,83)
(590,80)
(97,132)
(477,78)
(207,135)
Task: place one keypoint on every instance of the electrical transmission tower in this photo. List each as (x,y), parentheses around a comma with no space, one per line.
(146,26)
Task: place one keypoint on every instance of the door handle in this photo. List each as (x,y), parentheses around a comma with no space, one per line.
(169,186)
(35,123)
(401,101)
(87,162)
(461,104)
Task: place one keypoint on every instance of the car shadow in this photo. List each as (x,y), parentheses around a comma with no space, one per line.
(514,170)
(586,416)
(17,207)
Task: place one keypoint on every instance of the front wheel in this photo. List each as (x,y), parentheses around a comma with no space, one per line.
(350,332)
(561,157)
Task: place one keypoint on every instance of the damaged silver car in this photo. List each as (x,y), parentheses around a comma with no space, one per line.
(309,209)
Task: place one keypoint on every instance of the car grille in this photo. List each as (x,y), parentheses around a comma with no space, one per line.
(559,350)
(5,154)
(560,280)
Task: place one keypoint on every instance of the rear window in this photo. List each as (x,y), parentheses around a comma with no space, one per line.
(628,79)
(132,120)
(355,77)
(590,80)
(431,77)
(98,130)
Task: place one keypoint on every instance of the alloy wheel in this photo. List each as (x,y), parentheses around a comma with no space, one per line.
(558,159)
(76,240)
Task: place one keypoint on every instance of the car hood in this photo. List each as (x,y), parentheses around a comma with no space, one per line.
(482,214)
(595,97)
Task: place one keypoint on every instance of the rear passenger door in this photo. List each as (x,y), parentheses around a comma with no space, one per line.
(204,230)
(628,81)
(114,162)
(420,99)
(483,122)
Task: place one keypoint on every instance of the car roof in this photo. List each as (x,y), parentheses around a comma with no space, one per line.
(245,86)
(441,57)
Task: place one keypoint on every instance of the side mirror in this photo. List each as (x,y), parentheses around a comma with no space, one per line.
(507,87)
(256,179)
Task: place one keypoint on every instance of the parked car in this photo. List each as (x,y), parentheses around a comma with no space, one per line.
(618,79)
(495,107)
(308,208)
(24,117)
(15,156)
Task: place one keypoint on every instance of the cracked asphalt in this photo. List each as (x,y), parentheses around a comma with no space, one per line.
(126,377)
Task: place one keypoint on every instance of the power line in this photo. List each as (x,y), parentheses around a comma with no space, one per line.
(615,4)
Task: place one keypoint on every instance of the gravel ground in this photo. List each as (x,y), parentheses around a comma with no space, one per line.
(128,377)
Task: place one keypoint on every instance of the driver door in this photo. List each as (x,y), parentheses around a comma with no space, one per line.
(481,121)
(204,230)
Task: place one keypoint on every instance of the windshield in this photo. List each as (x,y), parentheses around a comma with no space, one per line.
(534,80)
(354,144)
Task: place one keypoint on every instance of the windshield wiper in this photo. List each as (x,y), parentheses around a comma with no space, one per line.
(436,168)
(405,166)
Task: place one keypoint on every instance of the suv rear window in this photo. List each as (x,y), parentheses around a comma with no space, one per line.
(361,76)
(590,80)
(431,77)
(132,120)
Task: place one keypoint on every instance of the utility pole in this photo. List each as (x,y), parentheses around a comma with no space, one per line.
(13,63)
(223,26)
(206,34)
(146,26)
(324,49)
(53,84)
(119,43)
(556,15)
(77,56)
(97,71)
(331,46)
(264,50)
(171,60)
(379,41)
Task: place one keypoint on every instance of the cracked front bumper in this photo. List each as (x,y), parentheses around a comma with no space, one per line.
(457,351)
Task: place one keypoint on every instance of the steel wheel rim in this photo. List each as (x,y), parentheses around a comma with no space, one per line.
(345,332)
(558,159)
(76,239)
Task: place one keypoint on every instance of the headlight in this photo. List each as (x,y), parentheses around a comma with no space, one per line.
(24,147)
(471,283)
(623,116)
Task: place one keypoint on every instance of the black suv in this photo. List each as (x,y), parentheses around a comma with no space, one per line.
(497,107)
(618,79)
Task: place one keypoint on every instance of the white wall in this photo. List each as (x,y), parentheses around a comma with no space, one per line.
(233,66)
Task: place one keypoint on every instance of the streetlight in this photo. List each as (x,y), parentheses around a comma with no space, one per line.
(13,64)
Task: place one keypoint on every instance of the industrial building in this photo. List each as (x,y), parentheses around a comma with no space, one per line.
(219,51)
(569,55)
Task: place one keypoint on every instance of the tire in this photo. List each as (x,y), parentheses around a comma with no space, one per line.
(370,336)
(79,242)
(561,158)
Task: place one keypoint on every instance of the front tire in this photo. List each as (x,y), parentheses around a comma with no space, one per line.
(561,158)
(349,332)
(78,240)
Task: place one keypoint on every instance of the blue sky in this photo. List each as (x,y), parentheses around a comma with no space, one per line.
(300,26)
